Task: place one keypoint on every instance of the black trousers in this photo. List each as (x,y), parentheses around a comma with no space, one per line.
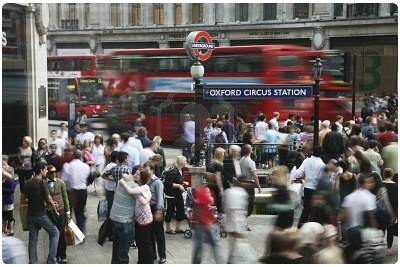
(79,208)
(175,205)
(158,237)
(306,206)
(24,175)
(144,244)
(249,187)
(110,199)
(62,248)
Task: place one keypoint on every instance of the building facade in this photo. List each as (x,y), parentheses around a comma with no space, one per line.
(24,65)
(367,30)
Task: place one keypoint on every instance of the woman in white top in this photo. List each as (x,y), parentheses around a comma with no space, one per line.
(100,161)
(144,219)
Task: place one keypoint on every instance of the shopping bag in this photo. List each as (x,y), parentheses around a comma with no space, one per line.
(69,236)
(102,209)
(78,235)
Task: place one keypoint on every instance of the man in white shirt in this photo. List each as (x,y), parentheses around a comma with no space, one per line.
(357,203)
(58,141)
(372,154)
(261,128)
(188,136)
(75,175)
(274,121)
(147,153)
(85,134)
(311,170)
(63,132)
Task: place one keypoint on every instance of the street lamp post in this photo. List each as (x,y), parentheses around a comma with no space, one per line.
(317,78)
(197,73)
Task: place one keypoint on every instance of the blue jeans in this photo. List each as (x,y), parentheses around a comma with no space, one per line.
(122,235)
(201,234)
(35,223)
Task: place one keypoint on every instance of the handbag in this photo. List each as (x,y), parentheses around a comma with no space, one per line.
(102,210)
(69,236)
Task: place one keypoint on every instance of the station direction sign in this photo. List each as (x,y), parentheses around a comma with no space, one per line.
(251,91)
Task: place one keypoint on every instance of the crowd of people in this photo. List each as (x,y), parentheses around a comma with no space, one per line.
(348,185)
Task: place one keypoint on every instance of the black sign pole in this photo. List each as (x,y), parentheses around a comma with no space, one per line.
(353,95)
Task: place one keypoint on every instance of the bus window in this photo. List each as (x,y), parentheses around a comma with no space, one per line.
(88,90)
(288,61)
(86,64)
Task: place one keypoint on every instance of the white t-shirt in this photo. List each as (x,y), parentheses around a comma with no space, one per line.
(274,123)
(63,135)
(98,154)
(235,208)
(260,130)
(144,155)
(357,203)
(143,212)
(85,136)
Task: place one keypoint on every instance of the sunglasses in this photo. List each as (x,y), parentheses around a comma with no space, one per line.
(53,171)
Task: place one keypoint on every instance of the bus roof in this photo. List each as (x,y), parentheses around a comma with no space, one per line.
(224,49)
(71,57)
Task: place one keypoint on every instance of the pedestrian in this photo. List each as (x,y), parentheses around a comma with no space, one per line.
(373,244)
(331,253)
(73,133)
(311,236)
(324,131)
(136,143)
(26,157)
(8,188)
(37,194)
(85,134)
(173,188)
(390,158)
(311,170)
(139,122)
(207,129)
(240,129)
(63,132)
(339,123)
(274,121)
(203,223)
(53,158)
(229,128)
(122,216)
(260,130)
(356,203)
(249,179)
(293,139)
(346,183)
(332,144)
(218,137)
(143,218)
(388,136)
(271,138)
(42,150)
(113,144)
(110,182)
(157,210)
(58,193)
(75,175)
(142,136)
(100,161)
(282,247)
(133,153)
(147,153)
(231,166)
(235,202)
(160,151)
(392,192)
(216,186)
(55,139)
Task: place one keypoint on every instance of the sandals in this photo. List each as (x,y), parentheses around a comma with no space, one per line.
(170,232)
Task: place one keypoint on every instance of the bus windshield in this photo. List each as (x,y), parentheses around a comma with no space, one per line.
(59,89)
(89,90)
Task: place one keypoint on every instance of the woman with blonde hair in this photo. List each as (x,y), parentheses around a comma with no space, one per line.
(26,157)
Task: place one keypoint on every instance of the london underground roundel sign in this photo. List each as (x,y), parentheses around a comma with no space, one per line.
(199,45)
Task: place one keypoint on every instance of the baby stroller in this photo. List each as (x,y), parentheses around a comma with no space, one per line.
(189,202)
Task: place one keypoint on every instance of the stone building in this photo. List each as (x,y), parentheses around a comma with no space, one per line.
(368,30)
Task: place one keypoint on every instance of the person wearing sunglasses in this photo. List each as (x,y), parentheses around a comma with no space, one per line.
(58,192)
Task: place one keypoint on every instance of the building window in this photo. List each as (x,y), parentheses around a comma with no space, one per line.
(158,14)
(71,11)
(87,15)
(177,14)
(219,13)
(301,11)
(197,13)
(269,11)
(242,12)
(59,17)
(135,14)
(338,10)
(362,10)
(115,15)
(393,10)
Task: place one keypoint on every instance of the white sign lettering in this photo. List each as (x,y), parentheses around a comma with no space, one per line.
(4,39)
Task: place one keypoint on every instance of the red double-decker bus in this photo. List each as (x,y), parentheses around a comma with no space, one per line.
(85,64)
(157,82)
